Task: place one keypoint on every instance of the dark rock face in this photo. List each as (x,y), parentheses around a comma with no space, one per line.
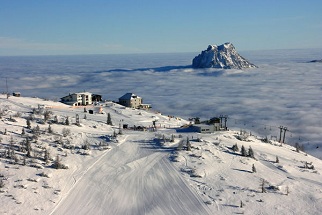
(316,61)
(224,56)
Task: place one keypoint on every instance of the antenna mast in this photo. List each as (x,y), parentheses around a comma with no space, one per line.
(7,87)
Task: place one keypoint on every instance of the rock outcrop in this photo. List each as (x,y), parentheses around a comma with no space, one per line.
(224,56)
(315,61)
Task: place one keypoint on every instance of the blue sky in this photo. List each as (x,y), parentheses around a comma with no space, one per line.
(146,26)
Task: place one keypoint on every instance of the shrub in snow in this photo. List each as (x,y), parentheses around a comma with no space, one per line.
(58,165)
(1,183)
(17,114)
(299,147)
(32,179)
(85,146)
(12,119)
(36,130)
(253,168)
(36,165)
(85,152)
(43,174)
(66,132)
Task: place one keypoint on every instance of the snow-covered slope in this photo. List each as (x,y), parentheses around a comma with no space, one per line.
(224,56)
(143,171)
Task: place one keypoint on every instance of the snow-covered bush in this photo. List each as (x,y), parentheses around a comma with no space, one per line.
(66,132)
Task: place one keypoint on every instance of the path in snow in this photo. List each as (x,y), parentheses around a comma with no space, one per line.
(133,178)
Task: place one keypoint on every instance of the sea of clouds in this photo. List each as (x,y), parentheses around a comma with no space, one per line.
(284,91)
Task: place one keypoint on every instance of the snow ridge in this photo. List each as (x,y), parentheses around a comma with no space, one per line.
(224,56)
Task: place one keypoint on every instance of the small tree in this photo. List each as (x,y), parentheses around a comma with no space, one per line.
(180,145)
(188,144)
(109,119)
(114,134)
(28,147)
(28,123)
(67,121)
(57,163)
(235,148)
(1,184)
(50,130)
(250,152)
(263,183)
(277,160)
(47,115)
(197,120)
(297,147)
(287,190)
(172,138)
(23,131)
(46,156)
(36,130)
(243,151)
(120,129)
(85,146)
(55,119)
(85,117)
(253,168)
(241,204)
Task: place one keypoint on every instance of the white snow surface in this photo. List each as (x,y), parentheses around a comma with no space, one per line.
(143,172)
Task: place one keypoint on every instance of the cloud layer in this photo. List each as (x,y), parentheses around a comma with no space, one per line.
(284,90)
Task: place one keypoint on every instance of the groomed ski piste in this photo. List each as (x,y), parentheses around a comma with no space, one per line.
(107,170)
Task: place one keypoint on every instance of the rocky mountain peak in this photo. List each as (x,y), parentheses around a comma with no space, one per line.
(223,56)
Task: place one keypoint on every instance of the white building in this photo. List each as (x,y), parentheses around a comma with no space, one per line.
(78,99)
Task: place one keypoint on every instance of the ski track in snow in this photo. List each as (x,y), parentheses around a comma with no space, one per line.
(132,178)
(75,181)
